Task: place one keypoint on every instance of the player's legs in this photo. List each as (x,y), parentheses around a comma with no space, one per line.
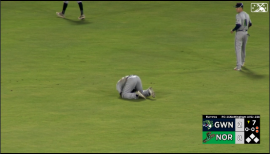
(146,93)
(81,9)
(128,89)
(243,54)
(238,47)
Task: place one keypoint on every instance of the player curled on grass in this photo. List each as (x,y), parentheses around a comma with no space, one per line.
(243,23)
(130,87)
(62,14)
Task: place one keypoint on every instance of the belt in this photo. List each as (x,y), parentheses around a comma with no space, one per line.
(242,30)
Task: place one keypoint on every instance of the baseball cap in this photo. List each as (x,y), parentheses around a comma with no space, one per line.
(238,5)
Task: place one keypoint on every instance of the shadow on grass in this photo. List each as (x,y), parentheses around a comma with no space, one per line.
(137,100)
(77,22)
(249,73)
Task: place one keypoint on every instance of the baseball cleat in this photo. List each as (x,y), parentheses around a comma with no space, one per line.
(152,93)
(60,14)
(243,64)
(140,94)
(81,17)
(237,69)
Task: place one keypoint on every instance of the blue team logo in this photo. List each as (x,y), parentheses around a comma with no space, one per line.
(208,124)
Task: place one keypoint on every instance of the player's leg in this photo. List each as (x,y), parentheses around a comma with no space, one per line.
(243,54)
(81,6)
(62,14)
(238,47)
(127,92)
(139,87)
(81,9)
(64,7)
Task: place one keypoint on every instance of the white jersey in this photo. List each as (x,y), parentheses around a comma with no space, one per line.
(243,19)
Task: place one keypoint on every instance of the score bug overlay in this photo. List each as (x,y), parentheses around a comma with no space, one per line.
(231,129)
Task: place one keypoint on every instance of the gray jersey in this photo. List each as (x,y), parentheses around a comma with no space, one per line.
(243,19)
(120,84)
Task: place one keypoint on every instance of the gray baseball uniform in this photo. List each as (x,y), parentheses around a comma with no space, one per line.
(241,37)
(128,85)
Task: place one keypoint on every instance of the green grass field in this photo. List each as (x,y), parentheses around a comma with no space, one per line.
(58,76)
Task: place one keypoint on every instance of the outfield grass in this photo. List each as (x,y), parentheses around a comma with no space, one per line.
(58,76)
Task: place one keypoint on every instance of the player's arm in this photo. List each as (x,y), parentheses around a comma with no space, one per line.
(237,25)
(250,24)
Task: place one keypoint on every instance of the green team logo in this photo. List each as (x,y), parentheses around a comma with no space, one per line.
(208,124)
(209,136)
(259,7)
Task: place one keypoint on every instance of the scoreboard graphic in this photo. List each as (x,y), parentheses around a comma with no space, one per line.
(231,129)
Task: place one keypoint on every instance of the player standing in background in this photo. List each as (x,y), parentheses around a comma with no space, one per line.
(62,14)
(130,87)
(243,23)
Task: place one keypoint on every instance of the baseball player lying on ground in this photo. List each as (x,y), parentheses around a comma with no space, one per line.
(130,87)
